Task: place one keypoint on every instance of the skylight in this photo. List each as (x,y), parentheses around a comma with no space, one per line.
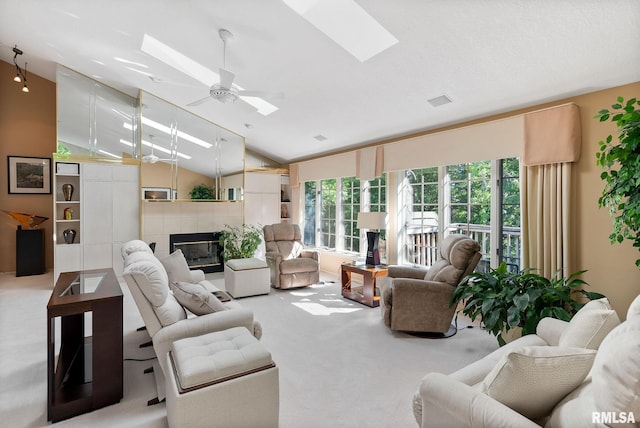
(180,62)
(347,24)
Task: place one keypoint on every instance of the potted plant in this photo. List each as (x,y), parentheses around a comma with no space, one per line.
(240,242)
(201,191)
(619,161)
(505,300)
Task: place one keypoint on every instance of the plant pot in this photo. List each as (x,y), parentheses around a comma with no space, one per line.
(512,334)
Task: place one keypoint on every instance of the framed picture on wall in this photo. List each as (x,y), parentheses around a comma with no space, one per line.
(29,175)
(151,193)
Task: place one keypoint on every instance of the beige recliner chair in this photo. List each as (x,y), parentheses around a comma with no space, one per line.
(416,299)
(164,317)
(290,264)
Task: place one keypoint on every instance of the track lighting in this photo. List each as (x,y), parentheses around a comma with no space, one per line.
(21,75)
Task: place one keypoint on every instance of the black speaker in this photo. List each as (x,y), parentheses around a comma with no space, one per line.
(30,252)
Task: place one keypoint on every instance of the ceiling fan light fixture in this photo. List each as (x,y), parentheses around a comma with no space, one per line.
(224,95)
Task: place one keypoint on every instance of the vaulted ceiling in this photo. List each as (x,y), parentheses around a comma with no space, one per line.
(486,57)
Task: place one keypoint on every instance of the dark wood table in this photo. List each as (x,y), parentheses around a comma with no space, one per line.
(86,374)
(365,294)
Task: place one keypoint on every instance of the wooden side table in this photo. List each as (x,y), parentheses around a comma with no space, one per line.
(365,294)
(87,374)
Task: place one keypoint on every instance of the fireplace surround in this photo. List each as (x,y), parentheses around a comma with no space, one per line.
(201,250)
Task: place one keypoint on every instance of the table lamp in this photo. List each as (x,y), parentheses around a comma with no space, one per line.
(373,222)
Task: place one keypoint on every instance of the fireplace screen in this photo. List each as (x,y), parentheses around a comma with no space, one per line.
(202,250)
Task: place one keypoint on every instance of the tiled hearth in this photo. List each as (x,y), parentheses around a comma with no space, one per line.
(161,219)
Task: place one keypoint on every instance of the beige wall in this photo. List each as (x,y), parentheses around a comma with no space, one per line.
(610,268)
(159,175)
(27,128)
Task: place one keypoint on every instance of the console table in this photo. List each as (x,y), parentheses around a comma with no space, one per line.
(86,374)
(365,294)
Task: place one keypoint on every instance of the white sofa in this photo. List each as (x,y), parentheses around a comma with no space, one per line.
(166,320)
(554,378)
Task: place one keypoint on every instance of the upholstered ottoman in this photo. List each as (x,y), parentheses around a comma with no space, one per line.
(222,379)
(246,277)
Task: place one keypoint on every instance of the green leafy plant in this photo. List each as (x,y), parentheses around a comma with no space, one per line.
(621,172)
(240,242)
(505,300)
(201,191)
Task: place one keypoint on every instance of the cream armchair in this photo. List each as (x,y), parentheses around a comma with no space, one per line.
(164,317)
(551,390)
(416,299)
(290,264)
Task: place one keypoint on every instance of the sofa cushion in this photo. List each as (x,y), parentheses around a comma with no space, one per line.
(196,298)
(634,308)
(531,380)
(616,370)
(170,311)
(176,267)
(590,325)
(298,265)
(134,246)
(156,286)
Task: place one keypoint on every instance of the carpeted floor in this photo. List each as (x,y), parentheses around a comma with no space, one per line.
(339,365)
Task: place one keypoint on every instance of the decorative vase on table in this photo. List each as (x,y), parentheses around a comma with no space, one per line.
(69,236)
(67,191)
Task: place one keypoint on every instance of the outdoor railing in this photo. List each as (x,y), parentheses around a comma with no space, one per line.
(422,246)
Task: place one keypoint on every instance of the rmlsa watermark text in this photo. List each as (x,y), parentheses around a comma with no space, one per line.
(613,418)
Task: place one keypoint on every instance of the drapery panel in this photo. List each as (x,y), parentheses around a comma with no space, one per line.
(552,141)
(546,218)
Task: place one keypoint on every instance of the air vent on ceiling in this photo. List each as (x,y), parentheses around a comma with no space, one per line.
(439,101)
(320,137)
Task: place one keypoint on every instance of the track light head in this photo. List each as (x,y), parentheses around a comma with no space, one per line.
(21,75)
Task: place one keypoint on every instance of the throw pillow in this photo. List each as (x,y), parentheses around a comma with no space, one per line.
(589,326)
(196,298)
(616,370)
(531,380)
(176,266)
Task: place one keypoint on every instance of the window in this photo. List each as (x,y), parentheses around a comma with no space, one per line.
(333,210)
(350,209)
(510,244)
(310,201)
(422,224)
(328,213)
(464,203)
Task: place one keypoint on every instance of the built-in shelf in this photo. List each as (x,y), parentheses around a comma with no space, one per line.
(285,199)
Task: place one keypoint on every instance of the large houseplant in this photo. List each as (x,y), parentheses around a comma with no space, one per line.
(504,300)
(201,191)
(619,161)
(240,242)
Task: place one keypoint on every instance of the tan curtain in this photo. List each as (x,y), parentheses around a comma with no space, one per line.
(294,177)
(552,141)
(546,218)
(369,163)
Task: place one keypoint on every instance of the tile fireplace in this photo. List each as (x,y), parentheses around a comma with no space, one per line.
(202,250)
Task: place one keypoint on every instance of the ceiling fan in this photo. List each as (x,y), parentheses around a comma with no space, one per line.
(152,158)
(224,91)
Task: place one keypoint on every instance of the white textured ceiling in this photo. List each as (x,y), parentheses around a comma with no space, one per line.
(488,56)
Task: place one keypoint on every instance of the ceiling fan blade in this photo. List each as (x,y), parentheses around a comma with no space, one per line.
(200,101)
(261,94)
(226,78)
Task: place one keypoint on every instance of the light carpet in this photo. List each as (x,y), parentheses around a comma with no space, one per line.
(339,365)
